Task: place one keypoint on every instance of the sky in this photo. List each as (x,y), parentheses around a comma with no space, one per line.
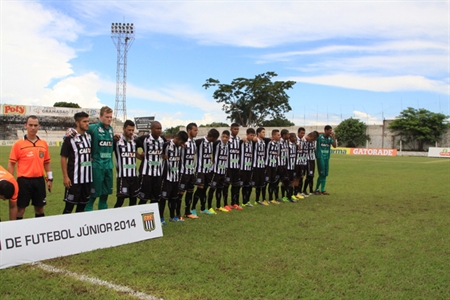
(362,59)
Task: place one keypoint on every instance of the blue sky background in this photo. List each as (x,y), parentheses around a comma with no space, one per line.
(364,59)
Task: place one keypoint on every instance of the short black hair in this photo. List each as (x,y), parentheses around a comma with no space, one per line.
(292,135)
(182,135)
(190,126)
(128,123)
(275,131)
(6,189)
(31,117)
(213,133)
(250,131)
(328,127)
(314,134)
(80,115)
(226,132)
(301,129)
(284,131)
(260,129)
(234,125)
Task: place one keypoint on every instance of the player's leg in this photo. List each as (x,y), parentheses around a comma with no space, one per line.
(38,198)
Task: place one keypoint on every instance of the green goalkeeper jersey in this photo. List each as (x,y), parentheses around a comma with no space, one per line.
(102,146)
(323,146)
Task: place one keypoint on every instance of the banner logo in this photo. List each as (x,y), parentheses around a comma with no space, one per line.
(148,220)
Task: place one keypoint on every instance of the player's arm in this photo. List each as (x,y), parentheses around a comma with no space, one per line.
(48,170)
(12,210)
(140,144)
(66,180)
(11,167)
(334,140)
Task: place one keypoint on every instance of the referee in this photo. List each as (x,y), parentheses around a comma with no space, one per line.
(31,156)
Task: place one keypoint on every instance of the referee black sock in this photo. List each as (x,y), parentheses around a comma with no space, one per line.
(39,215)
(19,218)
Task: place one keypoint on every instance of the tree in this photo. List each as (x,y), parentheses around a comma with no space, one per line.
(420,125)
(215,124)
(250,101)
(172,131)
(277,122)
(66,104)
(352,133)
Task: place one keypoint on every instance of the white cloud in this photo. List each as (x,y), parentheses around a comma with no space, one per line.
(365,117)
(378,84)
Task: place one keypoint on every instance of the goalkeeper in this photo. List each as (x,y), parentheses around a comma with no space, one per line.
(323,151)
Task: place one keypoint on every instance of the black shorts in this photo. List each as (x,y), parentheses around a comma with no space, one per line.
(169,190)
(272,175)
(78,193)
(187,183)
(31,189)
(127,187)
(300,171)
(203,179)
(282,172)
(259,177)
(217,181)
(310,168)
(233,177)
(150,188)
(290,175)
(246,178)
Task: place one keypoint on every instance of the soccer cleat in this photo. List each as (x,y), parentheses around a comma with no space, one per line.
(180,219)
(248,204)
(212,211)
(299,197)
(293,199)
(317,192)
(227,207)
(274,202)
(285,199)
(325,193)
(265,203)
(191,216)
(237,207)
(305,195)
(222,209)
(260,203)
(194,212)
(163,223)
(279,200)
(206,212)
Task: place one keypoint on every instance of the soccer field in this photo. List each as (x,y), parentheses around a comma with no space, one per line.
(381,234)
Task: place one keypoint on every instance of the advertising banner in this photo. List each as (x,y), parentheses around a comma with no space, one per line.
(144,122)
(340,150)
(37,239)
(9,109)
(439,152)
(22,110)
(374,151)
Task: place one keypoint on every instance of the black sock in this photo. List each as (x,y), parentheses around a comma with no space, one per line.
(257,194)
(68,208)
(119,202)
(210,197)
(133,201)
(80,208)
(39,215)
(161,206)
(218,197)
(19,218)
(225,196)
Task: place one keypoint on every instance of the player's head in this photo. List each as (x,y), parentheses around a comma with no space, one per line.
(181,138)
(225,136)
(292,137)
(312,136)
(32,125)
(250,134)
(327,130)
(156,129)
(6,190)
(276,135)
(128,129)
(81,121)
(261,132)
(213,135)
(234,128)
(301,132)
(106,115)
(192,130)
(284,134)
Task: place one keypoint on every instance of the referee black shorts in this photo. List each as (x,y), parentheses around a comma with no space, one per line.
(31,189)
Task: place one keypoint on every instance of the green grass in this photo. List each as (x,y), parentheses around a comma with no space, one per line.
(382,234)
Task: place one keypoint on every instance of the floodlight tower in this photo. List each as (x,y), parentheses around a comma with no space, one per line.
(122,35)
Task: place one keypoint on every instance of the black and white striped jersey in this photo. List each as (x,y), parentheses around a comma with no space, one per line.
(188,152)
(125,153)
(171,165)
(234,148)
(221,155)
(309,148)
(301,153)
(259,154)
(246,158)
(78,151)
(204,155)
(151,164)
(283,158)
(272,154)
(292,156)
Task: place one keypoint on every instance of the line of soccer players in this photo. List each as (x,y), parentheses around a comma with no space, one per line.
(172,169)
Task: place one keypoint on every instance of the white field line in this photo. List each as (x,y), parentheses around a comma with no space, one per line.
(93,280)
(438,160)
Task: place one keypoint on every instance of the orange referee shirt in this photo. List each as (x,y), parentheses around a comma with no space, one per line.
(29,157)
(5,175)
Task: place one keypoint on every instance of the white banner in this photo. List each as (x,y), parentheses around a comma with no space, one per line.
(23,110)
(36,239)
(439,152)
